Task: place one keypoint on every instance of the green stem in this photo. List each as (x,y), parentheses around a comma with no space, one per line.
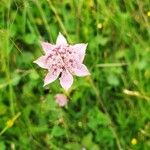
(59,20)
(43,18)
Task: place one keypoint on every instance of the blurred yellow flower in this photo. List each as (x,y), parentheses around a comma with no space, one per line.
(148,13)
(99,25)
(134,141)
(10,123)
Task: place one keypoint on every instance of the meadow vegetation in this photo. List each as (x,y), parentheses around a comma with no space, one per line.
(110,110)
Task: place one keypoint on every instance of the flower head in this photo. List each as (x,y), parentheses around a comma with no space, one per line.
(148,13)
(134,141)
(63,61)
(61,99)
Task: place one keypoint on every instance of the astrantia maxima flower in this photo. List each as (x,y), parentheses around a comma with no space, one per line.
(63,61)
(61,99)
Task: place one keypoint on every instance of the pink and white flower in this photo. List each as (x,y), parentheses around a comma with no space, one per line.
(61,99)
(63,61)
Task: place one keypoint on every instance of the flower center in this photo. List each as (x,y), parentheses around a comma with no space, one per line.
(62,58)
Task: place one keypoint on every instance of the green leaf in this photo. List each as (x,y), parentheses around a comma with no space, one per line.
(96,117)
(34,75)
(2,145)
(3,109)
(87,142)
(57,131)
(113,80)
(102,40)
(30,38)
(73,146)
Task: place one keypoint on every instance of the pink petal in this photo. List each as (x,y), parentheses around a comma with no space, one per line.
(61,40)
(51,76)
(47,47)
(41,61)
(66,80)
(81,70)
(80,50)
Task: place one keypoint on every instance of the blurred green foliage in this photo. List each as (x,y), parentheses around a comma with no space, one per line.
(104,113)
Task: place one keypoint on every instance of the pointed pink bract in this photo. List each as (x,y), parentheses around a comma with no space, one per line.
(61,40)
(80,50)
(81,71)
(47,47)
(66,80)
(51,76)
(41,61)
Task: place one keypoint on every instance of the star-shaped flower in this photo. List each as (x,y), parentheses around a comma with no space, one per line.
(63,61)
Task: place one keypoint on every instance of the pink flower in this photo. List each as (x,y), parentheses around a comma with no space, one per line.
(63,61)
(61,99)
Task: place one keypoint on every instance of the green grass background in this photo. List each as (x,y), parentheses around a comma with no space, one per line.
(101,113)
